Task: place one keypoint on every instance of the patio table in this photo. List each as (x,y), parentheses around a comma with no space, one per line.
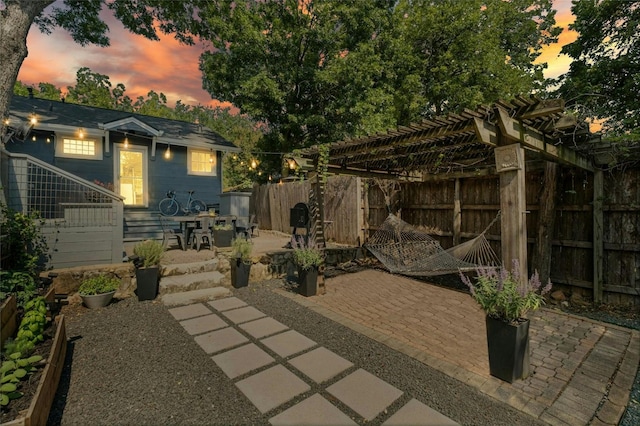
(190,222)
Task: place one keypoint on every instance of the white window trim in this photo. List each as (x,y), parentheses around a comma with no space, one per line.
(214,169)
(59,147)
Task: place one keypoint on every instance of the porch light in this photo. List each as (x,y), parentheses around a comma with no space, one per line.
(167,153)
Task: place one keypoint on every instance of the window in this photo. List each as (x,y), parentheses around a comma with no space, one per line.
(201,162)
(71,147)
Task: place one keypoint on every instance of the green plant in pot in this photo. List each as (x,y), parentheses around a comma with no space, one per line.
(308,258)
(223,235)
(241,262)
(97,291)
(147,257)
(506,298)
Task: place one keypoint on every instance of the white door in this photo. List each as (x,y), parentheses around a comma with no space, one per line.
(131,174)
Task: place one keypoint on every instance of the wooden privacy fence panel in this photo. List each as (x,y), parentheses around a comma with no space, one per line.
(431,204)
(622,236)
(273,202)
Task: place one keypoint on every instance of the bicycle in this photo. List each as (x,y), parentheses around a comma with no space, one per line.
(170,206)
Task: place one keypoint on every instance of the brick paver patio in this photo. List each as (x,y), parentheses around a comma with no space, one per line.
(581,370)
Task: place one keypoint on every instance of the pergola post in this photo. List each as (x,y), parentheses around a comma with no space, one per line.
(510,167)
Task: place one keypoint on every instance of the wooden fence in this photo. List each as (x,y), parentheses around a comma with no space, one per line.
(357,207)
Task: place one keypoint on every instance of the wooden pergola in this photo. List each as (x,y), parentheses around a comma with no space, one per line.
(491,139)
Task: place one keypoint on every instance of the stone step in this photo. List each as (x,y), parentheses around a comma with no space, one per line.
(197,281)
(195,296)
(191,268)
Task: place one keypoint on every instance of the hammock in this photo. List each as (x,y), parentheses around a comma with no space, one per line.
(405,250)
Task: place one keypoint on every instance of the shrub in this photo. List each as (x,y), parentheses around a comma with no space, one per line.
(98,285)
(306,254)
(241,248)
(149,252)
(502,296)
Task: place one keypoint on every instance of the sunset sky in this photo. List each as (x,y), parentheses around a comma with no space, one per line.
(167,66)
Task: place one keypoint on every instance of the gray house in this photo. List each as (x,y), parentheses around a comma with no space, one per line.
(97,175)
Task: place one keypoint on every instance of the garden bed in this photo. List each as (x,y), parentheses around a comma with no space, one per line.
(39,390)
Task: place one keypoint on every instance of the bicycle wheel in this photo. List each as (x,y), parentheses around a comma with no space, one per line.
(197,206)
(168,207)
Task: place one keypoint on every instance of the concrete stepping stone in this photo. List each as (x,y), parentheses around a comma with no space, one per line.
(263,327)
(239,361)
(219,340)
(240,315)
(189,311)
(203,324)
(416,413)
(288,343)
(272,387)
(227,303)
(320,364)
(194,296)
(314,410)
(365,393)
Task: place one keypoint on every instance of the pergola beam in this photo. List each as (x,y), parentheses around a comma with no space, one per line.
(536,141)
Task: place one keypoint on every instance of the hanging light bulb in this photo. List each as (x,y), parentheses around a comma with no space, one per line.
(254,164)
(33,138)
(81,132)
(33,120)
(48,140)
(126,142)
(211,157)
(167,153)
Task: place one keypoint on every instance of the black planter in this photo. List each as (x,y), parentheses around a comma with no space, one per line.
(222,238)
(308,281)
(508,349)
(240,273)
(147,281)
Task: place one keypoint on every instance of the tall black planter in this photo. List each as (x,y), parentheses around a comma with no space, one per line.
(308,281)
(508,349)
(147,281)
(240,273)
(222,237)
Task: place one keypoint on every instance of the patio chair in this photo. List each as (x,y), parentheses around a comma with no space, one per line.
(168,233)
(247,228)
(203,234)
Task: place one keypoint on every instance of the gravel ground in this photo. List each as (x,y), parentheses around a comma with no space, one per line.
(132,363)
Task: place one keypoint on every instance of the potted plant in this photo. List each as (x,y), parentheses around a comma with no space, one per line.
(223,235)
(308,258)
(148,255)
(241,262)
(97,291)
(506,299)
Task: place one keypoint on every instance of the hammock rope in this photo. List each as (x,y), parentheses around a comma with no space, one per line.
(404,249)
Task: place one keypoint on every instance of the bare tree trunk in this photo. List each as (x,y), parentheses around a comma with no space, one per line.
(546,222)
(15,22)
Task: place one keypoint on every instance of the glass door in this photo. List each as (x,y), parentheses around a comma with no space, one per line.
(131,172)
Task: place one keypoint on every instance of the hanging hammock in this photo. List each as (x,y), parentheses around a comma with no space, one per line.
(405,250)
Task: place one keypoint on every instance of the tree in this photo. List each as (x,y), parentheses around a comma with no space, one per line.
(308,69)
(95,89)
(455,54)
(320,71)
(604,78)
(82,20)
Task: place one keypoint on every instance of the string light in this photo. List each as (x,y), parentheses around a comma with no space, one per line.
(33,120)
(211,157)
(254,164)
(167,153)
(33,138)
(126,142)
(81,132)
